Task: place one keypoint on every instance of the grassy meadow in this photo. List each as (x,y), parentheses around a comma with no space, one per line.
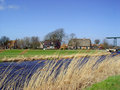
(111,83)
(27,54)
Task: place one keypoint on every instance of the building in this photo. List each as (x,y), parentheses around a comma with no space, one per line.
(64,46)
(11,44)
(51,44)
(95,46)
(79,44)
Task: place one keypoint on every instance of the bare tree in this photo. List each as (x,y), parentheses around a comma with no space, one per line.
(65,39)
(72,35)
(97,41)
(20,43)
(105,44)
(27,42)
(3,41)
(55,35)
(35,42)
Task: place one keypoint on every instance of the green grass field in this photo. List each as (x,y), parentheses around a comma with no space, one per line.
(112,83)
(15,53)
(30,54)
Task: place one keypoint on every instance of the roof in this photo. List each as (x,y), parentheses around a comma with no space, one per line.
(80,42)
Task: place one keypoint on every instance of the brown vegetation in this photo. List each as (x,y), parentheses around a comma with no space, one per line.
(1,51)
(79,74)
(74,77)
(24,52)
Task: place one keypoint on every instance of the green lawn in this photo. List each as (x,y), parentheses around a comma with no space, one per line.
(112,83)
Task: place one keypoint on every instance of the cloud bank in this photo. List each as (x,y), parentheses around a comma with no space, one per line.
(3,5)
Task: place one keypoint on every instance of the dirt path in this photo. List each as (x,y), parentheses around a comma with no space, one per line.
(23,52)
(1,51)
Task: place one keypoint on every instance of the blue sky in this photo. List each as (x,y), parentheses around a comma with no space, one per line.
(86,18)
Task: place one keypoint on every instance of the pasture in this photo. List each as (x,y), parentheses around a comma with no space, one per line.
(28,54)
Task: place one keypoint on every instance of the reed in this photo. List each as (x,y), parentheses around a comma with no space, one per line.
(68,74)
(81,73)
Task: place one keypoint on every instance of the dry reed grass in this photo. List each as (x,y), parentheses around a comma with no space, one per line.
(5,82)
(76,76)
(81,72)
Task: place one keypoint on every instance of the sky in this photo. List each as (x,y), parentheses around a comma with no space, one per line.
(94,19)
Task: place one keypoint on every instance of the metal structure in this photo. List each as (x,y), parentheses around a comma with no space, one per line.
(115,40)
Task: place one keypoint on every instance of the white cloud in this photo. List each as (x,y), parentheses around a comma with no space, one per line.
(13,6)
(2,7)
(2,1)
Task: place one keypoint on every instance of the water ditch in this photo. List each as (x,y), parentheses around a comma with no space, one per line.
(18,73)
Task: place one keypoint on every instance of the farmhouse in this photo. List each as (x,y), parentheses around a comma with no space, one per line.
(79,44)
(48,44)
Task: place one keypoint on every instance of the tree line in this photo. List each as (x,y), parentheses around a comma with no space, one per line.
(26,42)
(34,41)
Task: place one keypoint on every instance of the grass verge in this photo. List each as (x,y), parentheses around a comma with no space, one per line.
(112,83)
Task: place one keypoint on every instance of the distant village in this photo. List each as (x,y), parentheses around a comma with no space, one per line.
(53,40)
(47,44)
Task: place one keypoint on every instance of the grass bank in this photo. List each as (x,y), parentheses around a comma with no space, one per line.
(26,54)
(111,83)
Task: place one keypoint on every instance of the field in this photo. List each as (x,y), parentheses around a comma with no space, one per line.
(26,54)
(87,72)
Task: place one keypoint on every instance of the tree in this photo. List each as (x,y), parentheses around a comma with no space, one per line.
(97,41)
(65,39)
(105,44)
(72,36)
(20,43)
(35,42)
(55,35)
(3,41)
(27,42)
